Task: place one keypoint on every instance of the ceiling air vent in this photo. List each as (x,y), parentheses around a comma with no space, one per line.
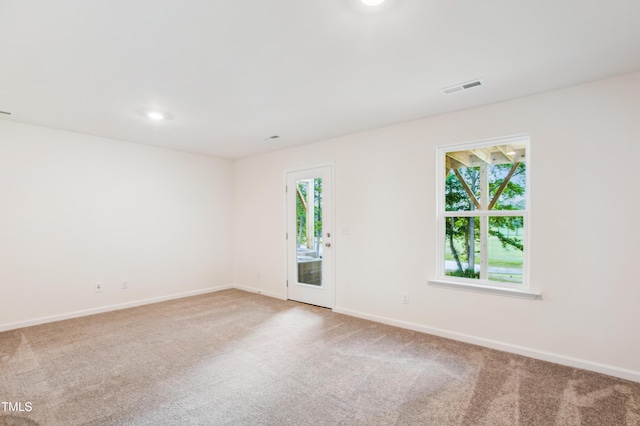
(463,86)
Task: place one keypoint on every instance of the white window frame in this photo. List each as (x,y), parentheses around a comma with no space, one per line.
(521,290)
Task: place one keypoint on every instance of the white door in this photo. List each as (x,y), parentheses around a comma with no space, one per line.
(310,236)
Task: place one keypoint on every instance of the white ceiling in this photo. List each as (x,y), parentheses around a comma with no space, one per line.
(233,72)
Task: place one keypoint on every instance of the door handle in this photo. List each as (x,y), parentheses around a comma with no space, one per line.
(327,245)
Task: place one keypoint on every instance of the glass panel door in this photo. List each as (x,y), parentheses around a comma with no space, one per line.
(309,236)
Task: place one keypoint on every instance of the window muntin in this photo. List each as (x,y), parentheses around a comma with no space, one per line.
(483,212)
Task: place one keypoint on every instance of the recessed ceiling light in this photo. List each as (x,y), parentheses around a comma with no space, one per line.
(155,115)
(372,2)
(270,138)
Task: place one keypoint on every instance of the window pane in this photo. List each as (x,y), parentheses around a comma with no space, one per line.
(512,195)
(459,184)
(309,231)
(462,247)
(505,249)
(505,168)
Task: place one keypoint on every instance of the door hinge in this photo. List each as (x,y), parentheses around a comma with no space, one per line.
(286,188)
(287,283)
(286,236)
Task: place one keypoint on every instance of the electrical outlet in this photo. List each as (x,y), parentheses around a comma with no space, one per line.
(125,284)
(405,298)
(98,287)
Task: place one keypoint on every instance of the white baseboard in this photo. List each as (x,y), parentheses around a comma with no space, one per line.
(265,293)
(506,347)
(101,309)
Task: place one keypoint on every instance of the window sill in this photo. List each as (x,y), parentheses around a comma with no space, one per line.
(501,291)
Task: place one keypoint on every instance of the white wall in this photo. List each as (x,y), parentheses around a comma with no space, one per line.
(77,209)
(584,247)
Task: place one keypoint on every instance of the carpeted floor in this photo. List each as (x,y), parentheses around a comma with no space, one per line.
(237,358)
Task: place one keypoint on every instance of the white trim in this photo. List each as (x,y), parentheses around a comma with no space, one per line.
(482,288)
(488,142)
(485,213)
(285,229)
(109,308)
(262,292)
(623,373)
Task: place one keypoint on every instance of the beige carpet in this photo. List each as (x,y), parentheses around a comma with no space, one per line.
(237,358)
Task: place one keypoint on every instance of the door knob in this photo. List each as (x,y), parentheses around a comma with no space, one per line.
(327,245)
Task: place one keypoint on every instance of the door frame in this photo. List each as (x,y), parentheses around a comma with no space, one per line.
(332,253)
